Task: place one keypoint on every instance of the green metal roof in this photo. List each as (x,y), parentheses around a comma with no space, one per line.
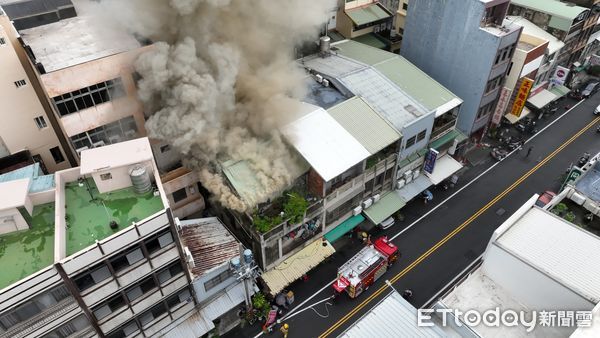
(370,40)
(448,137)
(364,124)
(559,90)
(562,13)
(401,72)
(345,227)
(384,208)
(367,14)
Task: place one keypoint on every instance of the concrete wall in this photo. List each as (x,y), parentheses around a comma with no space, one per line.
(194,202)
(11,220)
(198,283)
(423,123)
(451,47)
(42,197)
(120,177)
(20,106)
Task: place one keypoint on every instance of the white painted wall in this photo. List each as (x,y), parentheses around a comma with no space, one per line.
(11,220)
(120,177)
(198,283)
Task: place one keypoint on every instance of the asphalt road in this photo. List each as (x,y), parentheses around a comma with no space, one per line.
(446,241)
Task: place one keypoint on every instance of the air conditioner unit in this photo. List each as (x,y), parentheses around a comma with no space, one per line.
(401,184)
(376,198)
(319,78)
(408,176)
(416,174)
(79,150)
(357,210)
(188,257)
(367,203)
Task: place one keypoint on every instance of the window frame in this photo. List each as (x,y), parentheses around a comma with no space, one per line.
(40,122)
(57,155)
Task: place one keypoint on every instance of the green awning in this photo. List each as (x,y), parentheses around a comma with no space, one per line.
(367,14)
(448,137)
(344,228)
(560,90)
(384,208)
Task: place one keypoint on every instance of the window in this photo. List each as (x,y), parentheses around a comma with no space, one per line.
(20,83)
(33,307)
(405,6)
(169,272)
(40,122)
(106,177)
(57,155)
(93,277)
(124,129)
(410,142)
(71,327)
(485,110)
(124,331)
(126,259)
(179,298)
(421,135)
(179,195)
(138,290)
(159,241)
(152,314)
(88,97)
(2,41)
(165,148)
(220,278)
(493,84)
(112,305)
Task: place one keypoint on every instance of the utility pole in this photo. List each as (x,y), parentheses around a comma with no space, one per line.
(245,269)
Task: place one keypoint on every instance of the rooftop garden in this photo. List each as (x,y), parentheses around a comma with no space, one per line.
(290,206)
(577,215)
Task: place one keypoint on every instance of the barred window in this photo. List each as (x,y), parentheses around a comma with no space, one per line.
(88,97)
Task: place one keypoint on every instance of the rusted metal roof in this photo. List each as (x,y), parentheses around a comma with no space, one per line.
(209,242)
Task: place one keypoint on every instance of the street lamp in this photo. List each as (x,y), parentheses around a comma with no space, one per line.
(245,269)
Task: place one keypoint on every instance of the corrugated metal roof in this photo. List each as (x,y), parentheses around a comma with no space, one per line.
(367,14)
(401,72)
(17,9)
(227,300)
(197,325)
(324,143)
(364,124)
(243,179)
(554,8)
(297,265)
(392,317)
(210,243)
(560,249)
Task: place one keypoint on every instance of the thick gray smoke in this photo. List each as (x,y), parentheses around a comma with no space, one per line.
(221,79)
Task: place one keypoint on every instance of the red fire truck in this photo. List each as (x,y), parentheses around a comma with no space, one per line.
(362,270)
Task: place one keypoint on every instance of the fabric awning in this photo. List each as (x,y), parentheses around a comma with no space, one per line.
(445,166)
(446,138)
(297,265)
(367,14)
(541,99)
(412,189)
(384,208)
(514,119)
(343,228)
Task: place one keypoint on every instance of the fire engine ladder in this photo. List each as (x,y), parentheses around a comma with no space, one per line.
(356,258)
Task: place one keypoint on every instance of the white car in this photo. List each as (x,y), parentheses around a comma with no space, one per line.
(597,110)
(387,223)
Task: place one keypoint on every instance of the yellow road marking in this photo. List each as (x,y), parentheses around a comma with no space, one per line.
(458,229)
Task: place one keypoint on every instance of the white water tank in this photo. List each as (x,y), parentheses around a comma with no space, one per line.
(324,44)
(356,210)
(376,198)
(367,203)
(140,179)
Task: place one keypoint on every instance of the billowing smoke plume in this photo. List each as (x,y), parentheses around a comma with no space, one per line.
(220,80)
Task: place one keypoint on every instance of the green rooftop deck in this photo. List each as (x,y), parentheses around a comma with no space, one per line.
(23,253)
(88,221)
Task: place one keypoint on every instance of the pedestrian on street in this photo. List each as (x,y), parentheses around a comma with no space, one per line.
(529,151)
(285,329)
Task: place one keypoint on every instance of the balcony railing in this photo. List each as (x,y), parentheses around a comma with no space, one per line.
(437,131)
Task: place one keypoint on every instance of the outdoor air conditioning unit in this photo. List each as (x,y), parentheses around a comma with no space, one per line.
(357,210)
(408,176)
(319,78)
(416,174)
(367,203)
(401,184)
(376,198)
(188,257)
(79,150)
(98,144)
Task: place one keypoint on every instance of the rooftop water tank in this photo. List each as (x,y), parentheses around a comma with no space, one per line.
(324,44)
(140,179)
(248,256)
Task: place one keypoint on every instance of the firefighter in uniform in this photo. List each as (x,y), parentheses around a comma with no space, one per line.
(284,329)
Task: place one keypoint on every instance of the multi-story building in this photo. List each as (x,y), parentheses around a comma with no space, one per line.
(467,48)
(530,256)
(401,13)
(369,120)
(26,124)
(91,251)
(571,24)
(86,72)
(522,74)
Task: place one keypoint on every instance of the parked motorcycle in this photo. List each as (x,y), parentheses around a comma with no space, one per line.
(584,159)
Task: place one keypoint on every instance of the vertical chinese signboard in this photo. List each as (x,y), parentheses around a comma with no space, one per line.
(430,159)
(521,97)
(501,106)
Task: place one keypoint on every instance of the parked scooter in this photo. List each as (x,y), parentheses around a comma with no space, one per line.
(584,159)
